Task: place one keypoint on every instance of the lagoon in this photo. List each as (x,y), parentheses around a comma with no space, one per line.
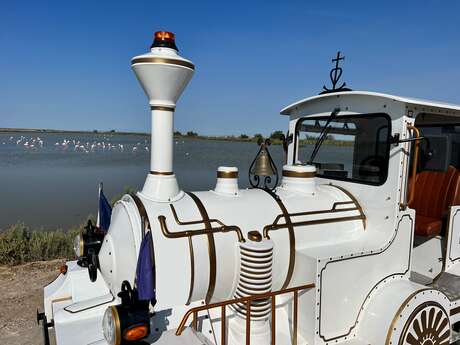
(50,180)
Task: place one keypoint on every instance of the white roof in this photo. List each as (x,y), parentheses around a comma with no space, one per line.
(407,100)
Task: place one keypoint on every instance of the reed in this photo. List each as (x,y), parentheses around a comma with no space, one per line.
(20,244)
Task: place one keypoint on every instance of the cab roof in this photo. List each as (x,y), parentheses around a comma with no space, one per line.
(447,108)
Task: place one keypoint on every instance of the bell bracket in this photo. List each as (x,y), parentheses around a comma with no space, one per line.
(263,173)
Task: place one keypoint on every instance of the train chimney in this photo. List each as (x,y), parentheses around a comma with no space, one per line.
(163,75)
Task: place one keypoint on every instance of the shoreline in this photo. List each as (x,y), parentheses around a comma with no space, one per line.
(195,136)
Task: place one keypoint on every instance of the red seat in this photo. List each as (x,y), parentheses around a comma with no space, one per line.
(427,226)
(435,192)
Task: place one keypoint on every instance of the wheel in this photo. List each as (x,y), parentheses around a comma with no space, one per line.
(421,320)
(427,325)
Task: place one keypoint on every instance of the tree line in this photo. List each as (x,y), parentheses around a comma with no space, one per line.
(276,135)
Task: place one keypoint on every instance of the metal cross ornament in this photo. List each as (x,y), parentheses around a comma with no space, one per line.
(335,75)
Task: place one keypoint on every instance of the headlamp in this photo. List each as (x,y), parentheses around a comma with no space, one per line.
(111,326)
(127,322)
(78,245)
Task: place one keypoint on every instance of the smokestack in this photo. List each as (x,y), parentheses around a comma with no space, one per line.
(163,74)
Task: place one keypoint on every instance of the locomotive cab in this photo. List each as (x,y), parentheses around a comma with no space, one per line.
(358,243)
(435,194)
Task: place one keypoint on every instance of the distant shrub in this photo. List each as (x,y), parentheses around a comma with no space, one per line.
(20,244)
(192,134)
(277,135)
(244,136)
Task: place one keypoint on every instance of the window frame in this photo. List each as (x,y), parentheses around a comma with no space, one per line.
(346,179)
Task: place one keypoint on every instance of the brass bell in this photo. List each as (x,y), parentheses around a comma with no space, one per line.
(263,166)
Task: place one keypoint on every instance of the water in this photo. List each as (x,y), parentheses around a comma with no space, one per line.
(49,185)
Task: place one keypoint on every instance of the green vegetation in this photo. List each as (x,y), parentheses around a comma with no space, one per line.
(277,135)
(258,136)
(192,134)
(328,141)
(20,244)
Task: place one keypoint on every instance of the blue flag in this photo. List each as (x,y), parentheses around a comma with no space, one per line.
(105,212)
(145,271)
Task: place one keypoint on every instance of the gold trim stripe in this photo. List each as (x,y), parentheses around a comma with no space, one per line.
(192,270)
(162,108)
(161,172)
(227,174)
(163,60)
(396,317)
(211,247)
(117,325)
(289,173)
(81,244)
(291,233)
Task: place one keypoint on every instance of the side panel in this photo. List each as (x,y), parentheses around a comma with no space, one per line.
(345,283)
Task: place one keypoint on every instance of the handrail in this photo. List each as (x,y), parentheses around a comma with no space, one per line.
(276,226)
(247,301)
(308,213)
(411,197)
(190,233)
(355,201)
(193,222)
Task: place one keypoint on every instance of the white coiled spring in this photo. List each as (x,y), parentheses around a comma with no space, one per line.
(255,276)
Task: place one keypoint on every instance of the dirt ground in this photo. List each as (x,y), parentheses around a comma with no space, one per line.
(21,294)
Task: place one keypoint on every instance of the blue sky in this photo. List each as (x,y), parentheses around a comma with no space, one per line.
(66,64)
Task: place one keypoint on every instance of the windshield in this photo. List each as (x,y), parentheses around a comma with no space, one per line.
(356,147)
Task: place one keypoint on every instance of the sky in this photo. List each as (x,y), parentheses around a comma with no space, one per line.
(66,64)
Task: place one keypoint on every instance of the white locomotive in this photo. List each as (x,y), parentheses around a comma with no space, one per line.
(359,243)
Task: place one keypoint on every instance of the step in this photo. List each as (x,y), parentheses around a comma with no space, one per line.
(449,284)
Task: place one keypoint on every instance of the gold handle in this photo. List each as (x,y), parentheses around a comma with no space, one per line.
(190,233)
(411,197)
